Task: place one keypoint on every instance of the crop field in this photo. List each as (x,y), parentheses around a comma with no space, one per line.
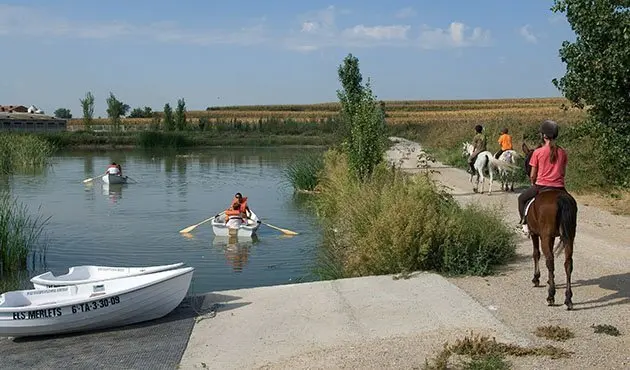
(398,112)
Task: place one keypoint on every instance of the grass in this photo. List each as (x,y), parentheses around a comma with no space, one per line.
(304,173)
(23,153)
(19,235)
(606,329)
(554,332)
(486,353)
(396,223)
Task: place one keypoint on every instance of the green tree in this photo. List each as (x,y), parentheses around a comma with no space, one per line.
(145,112)
(88,110)
(180,115)
(352,90)
(364,118)
(115,110)
(169,122)
(63,113)
(598,76)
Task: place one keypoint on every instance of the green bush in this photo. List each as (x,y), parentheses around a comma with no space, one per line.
(23,152)
(394,222)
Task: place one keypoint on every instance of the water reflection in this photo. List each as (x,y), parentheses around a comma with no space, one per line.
(236,250)
(113,191)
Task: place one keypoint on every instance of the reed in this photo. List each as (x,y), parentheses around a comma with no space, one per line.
(396,223)
(19,235)
(23,153)
(304,172)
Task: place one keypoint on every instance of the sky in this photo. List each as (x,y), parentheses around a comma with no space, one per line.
(217,53)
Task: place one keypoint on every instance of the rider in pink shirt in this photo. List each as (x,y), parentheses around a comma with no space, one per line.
(548,166)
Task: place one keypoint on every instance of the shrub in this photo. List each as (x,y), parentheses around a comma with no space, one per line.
(394,222)
(157,139)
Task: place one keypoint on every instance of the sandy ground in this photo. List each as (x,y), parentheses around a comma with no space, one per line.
(601,277)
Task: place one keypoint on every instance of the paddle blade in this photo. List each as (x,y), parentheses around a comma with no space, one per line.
(284,231)
(88,180)
(188,229)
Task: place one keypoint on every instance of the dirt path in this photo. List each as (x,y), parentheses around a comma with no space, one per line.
(601,277)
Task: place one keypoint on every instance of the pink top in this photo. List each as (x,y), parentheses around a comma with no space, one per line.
(549,174)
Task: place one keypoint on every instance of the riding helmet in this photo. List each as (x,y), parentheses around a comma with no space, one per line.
(549,128)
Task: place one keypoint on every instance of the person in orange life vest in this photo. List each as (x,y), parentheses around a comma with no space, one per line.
(113,169)
(505,141)
(234,217)
(548,166)
(242,203)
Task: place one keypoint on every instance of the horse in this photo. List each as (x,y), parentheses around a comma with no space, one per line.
(553,213)
(507,177)
(485,160)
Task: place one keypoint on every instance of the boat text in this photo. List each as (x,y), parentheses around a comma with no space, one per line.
(95,305)
(38,314)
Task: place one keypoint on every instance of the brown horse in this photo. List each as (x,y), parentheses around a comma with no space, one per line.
(552,214)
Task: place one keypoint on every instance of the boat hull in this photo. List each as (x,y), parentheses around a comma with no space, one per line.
(110,309)
(89,274)
(114,179)
(221,229)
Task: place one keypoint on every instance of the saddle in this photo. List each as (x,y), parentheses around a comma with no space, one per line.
(540,190)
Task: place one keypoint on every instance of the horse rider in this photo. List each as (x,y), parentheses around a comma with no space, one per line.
(548,167)
(479,145)
(505,141)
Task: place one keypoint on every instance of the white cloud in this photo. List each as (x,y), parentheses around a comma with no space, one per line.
(453,37)
(527,34)
(396,32)
(407,12)
(25,21)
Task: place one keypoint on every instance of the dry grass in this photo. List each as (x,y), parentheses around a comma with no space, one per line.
(554,332)
(617,202)
(483,350)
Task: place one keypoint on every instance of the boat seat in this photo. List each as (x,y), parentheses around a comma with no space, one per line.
(15,299)
(77,273)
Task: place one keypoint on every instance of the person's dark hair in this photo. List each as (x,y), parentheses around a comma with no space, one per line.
(238,195)
(478,129)
(504,130)
(114,163)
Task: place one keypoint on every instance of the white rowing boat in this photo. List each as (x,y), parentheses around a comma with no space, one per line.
(114,179)
(220,227)
(90,274)
(91,306)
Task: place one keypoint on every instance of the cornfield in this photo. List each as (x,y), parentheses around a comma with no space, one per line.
(398,112)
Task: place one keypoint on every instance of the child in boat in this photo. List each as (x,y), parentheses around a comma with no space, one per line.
(234,218)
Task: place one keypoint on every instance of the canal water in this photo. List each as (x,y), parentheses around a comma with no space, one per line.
(138,223)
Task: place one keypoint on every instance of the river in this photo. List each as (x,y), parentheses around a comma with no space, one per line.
(137,223)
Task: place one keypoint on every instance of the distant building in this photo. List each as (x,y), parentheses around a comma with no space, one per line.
(30,122)
(13,108)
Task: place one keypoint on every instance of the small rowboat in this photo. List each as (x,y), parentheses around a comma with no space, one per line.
(91,306)
(90,274)
(221,229)
(114,179)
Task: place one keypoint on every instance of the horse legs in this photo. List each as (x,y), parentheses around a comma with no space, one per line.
(547,247)
(568,269)
(536,256)
(491,175)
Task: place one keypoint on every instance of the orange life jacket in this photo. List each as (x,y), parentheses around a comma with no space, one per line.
(232,212)
(243,205)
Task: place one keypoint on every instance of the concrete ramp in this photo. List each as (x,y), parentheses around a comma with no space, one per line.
(368,322)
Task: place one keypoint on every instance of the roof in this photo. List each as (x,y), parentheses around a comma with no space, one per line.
(27,116)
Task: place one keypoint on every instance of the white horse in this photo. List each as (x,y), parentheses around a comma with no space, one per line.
(507,176)
(485,161)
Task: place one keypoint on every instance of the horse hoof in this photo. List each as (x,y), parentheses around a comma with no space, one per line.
(550,302)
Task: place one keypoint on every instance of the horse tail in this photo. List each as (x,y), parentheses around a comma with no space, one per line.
(501,164)
(566,217)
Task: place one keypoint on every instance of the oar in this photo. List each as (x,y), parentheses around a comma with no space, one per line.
(193,227)
(91,178)
(285,231)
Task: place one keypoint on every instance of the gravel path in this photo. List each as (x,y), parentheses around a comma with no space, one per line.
(601,278)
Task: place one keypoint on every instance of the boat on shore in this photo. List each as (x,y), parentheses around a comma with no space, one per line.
(89,274)
(248,229)
(114,179)
(91,306)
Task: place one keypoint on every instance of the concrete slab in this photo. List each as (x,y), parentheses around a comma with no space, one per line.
(289,325)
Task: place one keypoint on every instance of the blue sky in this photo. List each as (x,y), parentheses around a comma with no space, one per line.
(274,52)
